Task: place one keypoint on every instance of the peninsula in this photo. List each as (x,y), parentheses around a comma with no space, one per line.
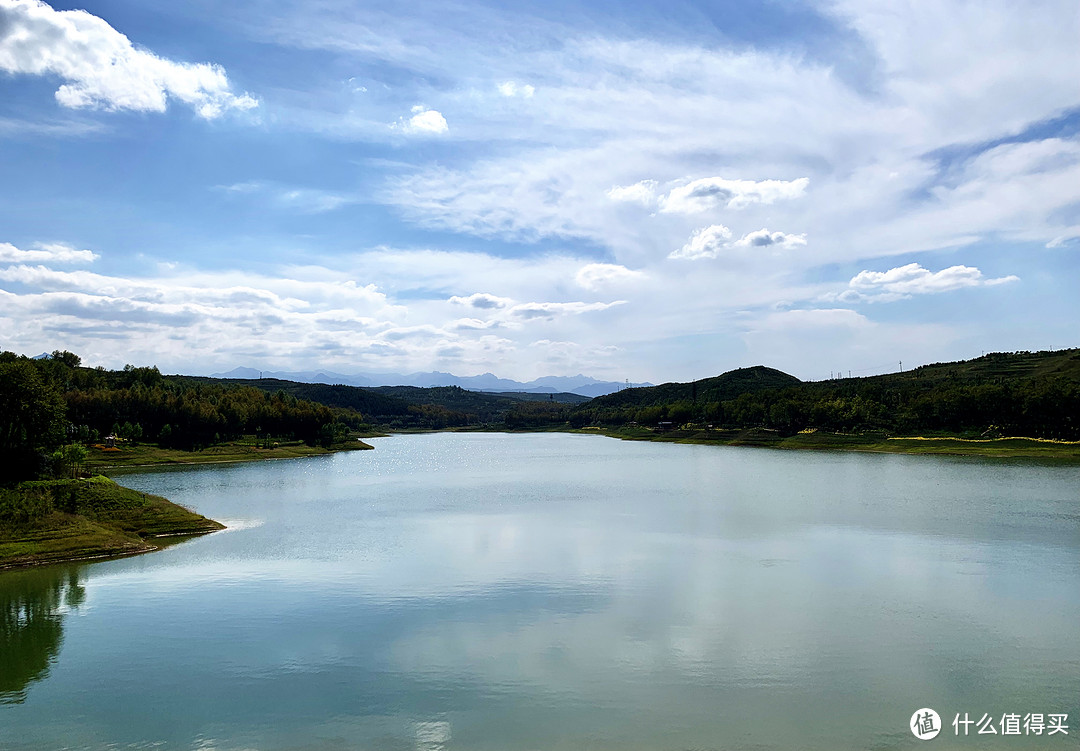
(49,521)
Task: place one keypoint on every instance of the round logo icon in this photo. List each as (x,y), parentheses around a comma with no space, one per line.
(925,724)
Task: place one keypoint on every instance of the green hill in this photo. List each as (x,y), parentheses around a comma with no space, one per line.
(402,407)
(1029,394)
(719,388)
(375,406)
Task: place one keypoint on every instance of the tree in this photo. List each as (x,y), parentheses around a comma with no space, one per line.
(69,459)
(70,359)
(32,420)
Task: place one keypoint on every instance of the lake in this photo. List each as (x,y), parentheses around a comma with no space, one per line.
(546,591)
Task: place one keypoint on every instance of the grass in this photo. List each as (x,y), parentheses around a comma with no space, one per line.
(245,450)
(1028,448)
(62,520)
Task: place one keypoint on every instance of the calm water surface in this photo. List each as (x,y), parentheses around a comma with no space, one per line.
(513,592)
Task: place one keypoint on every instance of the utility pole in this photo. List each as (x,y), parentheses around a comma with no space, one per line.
(901,366)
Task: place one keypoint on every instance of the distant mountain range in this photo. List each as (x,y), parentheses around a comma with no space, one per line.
(580,384)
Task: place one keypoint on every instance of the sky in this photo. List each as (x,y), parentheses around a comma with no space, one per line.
(633,190)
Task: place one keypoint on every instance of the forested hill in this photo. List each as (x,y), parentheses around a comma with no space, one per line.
(400,407)
(1033,394)
(369,402)
(50,402)
(717,389)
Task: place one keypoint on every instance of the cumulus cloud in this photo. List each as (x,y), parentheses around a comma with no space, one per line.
(424,121)
(643,192)
(102,68)
(512,89)
(472,324)
(716,192)
(45,253)
(912,279)
(482,300)
(710,242)
(596,275)
(707,242)
(762,238)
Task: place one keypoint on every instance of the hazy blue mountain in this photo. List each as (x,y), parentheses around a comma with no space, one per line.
(579,384)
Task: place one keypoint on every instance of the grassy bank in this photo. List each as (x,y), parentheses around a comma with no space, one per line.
(62,520)
(104,460)
(1030,448)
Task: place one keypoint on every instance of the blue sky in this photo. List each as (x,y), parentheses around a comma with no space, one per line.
(652,191)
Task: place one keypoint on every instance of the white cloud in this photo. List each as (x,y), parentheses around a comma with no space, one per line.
(424,120)
(643,192)
(512,89)
(482,300)
(102,68)
(709,193)
(472,324)
(45,253)
(549,310)
(716,192)
(912,279)
(597,275)
(1068,238)
(762,238)
(707,242)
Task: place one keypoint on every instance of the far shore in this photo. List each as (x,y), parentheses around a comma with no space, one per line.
(811,440)
(997,448)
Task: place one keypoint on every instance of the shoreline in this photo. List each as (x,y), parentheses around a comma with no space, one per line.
(1011,447)
(107,556)
(147,456)
(70,521)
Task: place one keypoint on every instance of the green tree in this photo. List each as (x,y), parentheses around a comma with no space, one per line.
(69,459)
(32,420)
(70,359)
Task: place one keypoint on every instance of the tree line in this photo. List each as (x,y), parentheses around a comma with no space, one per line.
(942,399)
(51,403)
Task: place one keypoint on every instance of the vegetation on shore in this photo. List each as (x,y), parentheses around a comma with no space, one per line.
(1025,394)
(1010,447)
(246,449)
(47,521)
